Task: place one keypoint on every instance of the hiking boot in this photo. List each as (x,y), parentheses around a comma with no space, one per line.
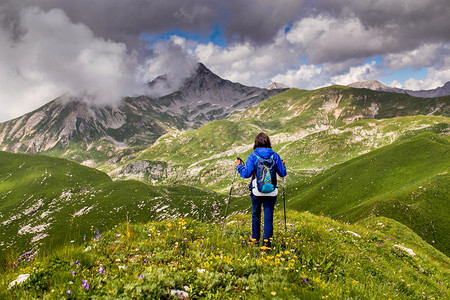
(255,242)
(267,245)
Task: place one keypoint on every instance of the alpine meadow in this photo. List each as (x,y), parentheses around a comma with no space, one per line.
(128,201)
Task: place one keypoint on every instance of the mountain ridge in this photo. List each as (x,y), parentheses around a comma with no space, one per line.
(376,85)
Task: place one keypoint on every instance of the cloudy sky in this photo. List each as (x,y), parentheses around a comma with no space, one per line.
(105,49)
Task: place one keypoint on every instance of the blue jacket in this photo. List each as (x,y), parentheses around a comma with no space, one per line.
(252,160)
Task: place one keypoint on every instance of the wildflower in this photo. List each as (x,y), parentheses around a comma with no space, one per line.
(306,280)
(85,285)
(145,260)
(69,292)
(141,276)
(274,293)
(73,273)
(76,262)
(101,271)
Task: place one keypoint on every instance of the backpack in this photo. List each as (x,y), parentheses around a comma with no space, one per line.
(265,182)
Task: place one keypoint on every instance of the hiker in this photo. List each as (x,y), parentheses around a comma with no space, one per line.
(262,152)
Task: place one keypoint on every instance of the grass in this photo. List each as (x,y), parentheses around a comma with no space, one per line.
(204,157)
(48,201)
(407,181)
(316,258)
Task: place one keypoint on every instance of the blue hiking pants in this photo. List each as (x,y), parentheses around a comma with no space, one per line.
(268,204)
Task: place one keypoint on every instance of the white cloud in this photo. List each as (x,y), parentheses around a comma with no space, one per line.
(172,58)
(437,76)
(426,55)
(55,56)
(247,63)
(365,72)
(330,39)
(307,77)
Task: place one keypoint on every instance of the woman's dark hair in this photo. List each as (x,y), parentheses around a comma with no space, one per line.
(262,141)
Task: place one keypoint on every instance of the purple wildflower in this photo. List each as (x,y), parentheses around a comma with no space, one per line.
(145,260)
(69,292)
(141,276)
(306,280)
(85,285)
(73,273)
(101,271)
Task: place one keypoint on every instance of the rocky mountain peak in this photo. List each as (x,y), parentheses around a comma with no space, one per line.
(370,84)
(276,86)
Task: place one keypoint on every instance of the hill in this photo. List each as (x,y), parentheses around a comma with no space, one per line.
(49,201)
(407,181)
(312,130)
(316,258)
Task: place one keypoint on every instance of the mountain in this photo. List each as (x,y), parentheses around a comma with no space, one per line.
(378,86)
(276,85)
(437,92)
(205,97)
(74,129)
(375,85)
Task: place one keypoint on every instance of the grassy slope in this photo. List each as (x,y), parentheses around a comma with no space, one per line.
(42,196)
(204,157)
(407,181)
(316,258)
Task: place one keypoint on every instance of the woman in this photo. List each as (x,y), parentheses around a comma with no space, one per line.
(262,149)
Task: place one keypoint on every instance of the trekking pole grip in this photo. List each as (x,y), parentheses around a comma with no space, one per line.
(241,161)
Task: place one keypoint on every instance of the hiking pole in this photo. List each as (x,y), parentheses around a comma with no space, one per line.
(284,204)
(229,195)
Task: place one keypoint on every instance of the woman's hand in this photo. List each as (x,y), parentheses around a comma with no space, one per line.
(236,162)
